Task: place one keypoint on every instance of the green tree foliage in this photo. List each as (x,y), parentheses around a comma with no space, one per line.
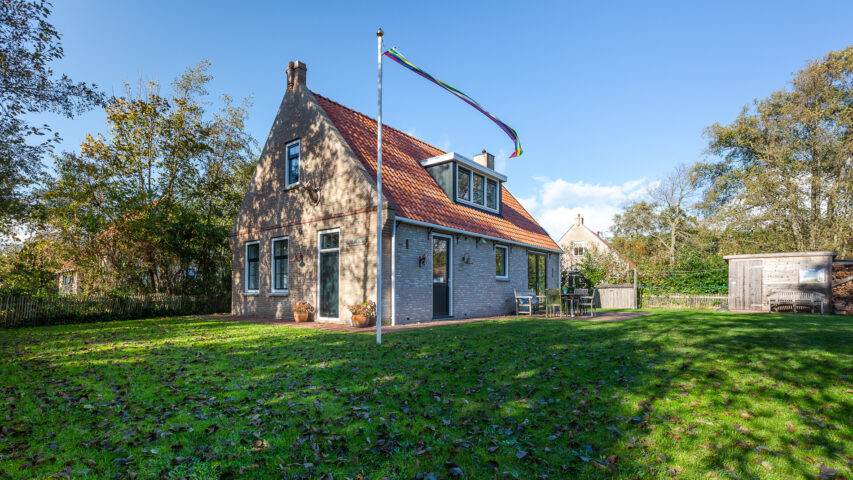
(784,180)
(149,206)
(28,85)
(29,268)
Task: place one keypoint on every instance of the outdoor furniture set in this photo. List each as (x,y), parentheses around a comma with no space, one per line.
(554,302)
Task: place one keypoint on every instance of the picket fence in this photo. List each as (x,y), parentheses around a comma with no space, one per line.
(680,300)
(34,311)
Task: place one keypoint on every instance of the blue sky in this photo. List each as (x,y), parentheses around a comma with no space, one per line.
(606,97)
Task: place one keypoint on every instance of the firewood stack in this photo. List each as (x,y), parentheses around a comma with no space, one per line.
(842,294)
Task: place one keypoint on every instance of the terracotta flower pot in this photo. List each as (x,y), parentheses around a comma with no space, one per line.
(360,321)
(300,317)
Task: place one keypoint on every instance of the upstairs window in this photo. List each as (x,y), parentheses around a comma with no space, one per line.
(292,163)
(279,264)
(252,264)
(463,184)
(479,189)
(492,194)
(577,249)
(476,189)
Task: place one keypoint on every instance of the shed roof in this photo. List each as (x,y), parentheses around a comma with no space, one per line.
(779,255)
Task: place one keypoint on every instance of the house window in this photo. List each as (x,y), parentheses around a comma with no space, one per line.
(577,249)
(292,167)
(252,264)
(479,189)
(536,272)
(500,261)
(492,194)
(67,280)
(463,184)
(279,264)
(475,189)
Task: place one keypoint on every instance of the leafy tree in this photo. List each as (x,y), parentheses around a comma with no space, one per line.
(785,174)
(29,268)
(28,85)
(149,207)
(665,214)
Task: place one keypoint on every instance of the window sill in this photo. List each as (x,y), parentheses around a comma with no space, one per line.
(291,186)
(502,279)
(251,294)
(283,293)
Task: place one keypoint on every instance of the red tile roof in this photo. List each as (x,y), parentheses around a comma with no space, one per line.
(415,195)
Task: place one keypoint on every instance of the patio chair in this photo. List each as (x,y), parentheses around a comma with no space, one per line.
(526,302)
(553,301)
(587,302)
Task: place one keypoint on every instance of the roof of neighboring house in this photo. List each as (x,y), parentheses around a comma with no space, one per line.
(415,195)
(68,266)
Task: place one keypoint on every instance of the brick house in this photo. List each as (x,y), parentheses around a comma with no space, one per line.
(579,240)
(456,242)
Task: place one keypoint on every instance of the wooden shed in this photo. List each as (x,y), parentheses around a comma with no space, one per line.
(752,278)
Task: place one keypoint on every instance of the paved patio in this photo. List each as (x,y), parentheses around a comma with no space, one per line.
(600,317)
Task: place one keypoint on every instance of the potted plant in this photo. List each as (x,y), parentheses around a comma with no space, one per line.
(361,313)
(302,311)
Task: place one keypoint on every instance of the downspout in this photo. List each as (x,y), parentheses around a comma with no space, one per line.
(393,273)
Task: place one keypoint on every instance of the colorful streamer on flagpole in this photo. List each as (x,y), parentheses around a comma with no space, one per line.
(393,54)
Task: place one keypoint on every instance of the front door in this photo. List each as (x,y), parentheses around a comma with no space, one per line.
(440,276)
(328,279)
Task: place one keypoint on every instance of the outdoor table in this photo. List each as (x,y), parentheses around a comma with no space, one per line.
(569,297)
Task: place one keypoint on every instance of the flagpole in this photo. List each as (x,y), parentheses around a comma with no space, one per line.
(379,35)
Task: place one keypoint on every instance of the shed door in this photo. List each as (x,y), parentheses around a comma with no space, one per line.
(746,285)
(754,300)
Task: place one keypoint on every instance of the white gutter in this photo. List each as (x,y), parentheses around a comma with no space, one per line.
(474,234)
(393,274)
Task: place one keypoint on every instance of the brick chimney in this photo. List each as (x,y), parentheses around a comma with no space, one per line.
(579,221)
(296,73)
(485,159)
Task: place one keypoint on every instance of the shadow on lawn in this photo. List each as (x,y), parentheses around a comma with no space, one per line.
(555,397)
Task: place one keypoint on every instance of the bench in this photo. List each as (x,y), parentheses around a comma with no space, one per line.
(526,302)
(794,299)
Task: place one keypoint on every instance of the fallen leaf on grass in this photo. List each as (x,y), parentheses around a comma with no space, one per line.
(827,473)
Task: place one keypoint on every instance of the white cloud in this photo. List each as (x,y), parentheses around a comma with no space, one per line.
(559,202)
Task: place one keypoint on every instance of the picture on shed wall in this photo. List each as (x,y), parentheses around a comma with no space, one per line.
(812,275)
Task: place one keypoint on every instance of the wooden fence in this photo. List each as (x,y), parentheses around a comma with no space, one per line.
(617,296)
(33,311)
(680,300)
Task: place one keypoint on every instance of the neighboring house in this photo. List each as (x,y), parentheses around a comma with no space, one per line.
(580,240)
(67,281)
(456,242)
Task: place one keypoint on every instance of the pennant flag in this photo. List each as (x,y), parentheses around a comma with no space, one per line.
(393,54)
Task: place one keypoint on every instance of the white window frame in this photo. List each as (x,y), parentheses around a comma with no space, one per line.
(246,268)
(582,245)
(506,262)
(287,182)
(275,291)
(320,250)
(486,178)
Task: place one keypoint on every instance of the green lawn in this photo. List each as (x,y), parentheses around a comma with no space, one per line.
(678,393)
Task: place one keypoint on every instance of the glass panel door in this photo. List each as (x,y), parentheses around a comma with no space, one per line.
(440,276)
(536,273)
(329,278)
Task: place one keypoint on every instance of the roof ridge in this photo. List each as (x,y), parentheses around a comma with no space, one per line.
(384,125)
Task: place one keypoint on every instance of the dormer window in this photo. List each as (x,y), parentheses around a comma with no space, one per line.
(491,194)
(463,185)
(467,182)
